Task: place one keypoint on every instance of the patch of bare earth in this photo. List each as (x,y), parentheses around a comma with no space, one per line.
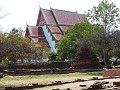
(87,84)
(79,85)
(17,83)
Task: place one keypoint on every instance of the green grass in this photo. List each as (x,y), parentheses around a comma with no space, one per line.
(77,74)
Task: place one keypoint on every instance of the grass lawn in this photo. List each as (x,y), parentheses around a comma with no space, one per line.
(16,81)
(77,74)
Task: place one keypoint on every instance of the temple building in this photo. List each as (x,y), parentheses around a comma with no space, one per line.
(51,25)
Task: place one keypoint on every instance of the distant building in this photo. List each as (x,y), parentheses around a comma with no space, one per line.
(51,25)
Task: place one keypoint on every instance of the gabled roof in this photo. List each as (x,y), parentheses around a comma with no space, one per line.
(57,22)
(64,28)
(40,19)
(48,16)
(35,33)
(61,17)
(82,17)
(54,29)
(66,17)
(57,37)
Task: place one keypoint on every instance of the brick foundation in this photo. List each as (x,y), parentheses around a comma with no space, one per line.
(85,64)
(111,72)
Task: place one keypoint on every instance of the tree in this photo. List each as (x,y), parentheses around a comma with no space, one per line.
(67,45)
(52,56)
(14,46)
(116,46)
(107,15)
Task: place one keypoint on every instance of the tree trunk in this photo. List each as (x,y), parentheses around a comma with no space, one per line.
(107,61)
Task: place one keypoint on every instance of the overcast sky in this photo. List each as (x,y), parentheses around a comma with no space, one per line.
(21,12)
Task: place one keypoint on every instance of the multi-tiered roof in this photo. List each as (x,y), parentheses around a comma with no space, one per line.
(56,21)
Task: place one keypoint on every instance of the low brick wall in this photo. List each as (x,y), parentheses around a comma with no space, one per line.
(41,65)
(111,72)
(86,64)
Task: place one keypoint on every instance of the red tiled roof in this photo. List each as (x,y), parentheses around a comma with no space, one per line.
(64,28)
(57,22)
(27,34)
(40,19)
(81,17)
(48,17)
(54,29)
(57,37)
(36,33)
(66,17)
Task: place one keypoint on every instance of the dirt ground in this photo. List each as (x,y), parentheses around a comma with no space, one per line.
(17,83)
(71,86)
(76,85)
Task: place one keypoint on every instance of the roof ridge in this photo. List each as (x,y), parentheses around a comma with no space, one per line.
(63,10)
(78,15)
(45,9)
(58,10)
(81,14)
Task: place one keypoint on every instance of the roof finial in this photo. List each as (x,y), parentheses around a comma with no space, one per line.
(50,6)
(26,23)
(76,11)
(39,6)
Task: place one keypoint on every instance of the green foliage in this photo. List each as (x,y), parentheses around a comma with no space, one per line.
(107,15)
(4,61)
(67,46)
(52,56)
(14,46)
(77,74)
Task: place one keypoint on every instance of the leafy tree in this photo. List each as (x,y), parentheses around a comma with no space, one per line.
(52,56)
(116,46)
(14,46)
(107,15)
(67,45)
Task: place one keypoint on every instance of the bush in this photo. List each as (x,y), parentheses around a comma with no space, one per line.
(52,56)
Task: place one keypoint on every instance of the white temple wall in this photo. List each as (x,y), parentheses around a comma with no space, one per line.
(49,38)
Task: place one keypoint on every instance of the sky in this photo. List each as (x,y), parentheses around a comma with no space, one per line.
(22,12)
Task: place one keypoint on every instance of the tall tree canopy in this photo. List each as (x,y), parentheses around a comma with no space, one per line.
(107,15)
(14,46)
(67,45)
